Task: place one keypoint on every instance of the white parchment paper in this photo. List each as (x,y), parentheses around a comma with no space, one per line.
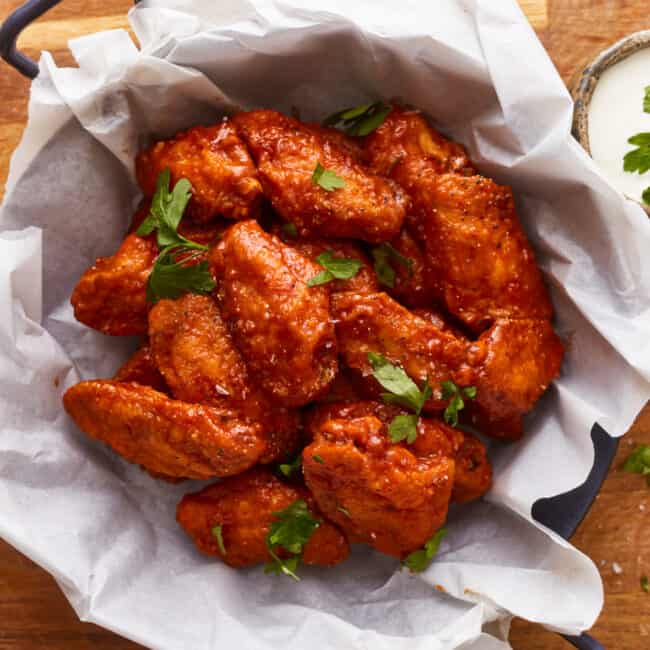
(103,528)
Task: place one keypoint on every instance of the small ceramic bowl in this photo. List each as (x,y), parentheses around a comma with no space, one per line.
(584,82)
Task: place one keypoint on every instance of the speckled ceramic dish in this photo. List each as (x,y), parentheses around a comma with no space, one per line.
(584,82)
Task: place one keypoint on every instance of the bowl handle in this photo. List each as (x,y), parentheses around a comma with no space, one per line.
(10,30)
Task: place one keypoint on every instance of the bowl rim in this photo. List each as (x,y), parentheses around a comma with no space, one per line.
(584,83)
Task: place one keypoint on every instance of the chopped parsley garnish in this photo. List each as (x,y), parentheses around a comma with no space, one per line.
(288,469)
(646,100)
(360,120)
(646,196)
(420,560)
(326,179)
(218,534)
(638,160)
(291,531)
(383,255)
(645,584)
(318,459)
(336,268)
(173,273)
(456,396)
(402,390)
(290,230)
(639,462)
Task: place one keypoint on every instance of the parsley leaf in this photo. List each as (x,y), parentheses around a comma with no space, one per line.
(639,462)
(290,230)
(291,531)
(287,469)
(173,273)
(217,532)
(638,160)
(645,584)
(336,268)
(455,394)
(360,120)
(646,196)
(318,459)
(420,560)
(383,255)
(327,179)
(403,391)
(646,100)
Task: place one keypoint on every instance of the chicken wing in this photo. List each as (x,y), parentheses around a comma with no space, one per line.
(390,496)
(377,323)
(515,361)
(405,136)
(243,508)
(111,296)
(287,152)
(195,352)
(281,326)
(165,436)
(141,369)
(217,164)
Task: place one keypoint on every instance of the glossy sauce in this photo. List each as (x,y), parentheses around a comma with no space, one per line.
(615,114)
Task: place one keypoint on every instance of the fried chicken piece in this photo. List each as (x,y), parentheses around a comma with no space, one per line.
(391,496)
(414,286)
(406,136)
(195,352)
(163,435)
(365,280)
(244,507)
(281,326)
(473,470)
(515,361)
(368,207)
(377,323)
(482,262)
(344,388)
(141,369)
(217,164)
(111,295)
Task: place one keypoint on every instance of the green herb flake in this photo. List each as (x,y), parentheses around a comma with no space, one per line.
(456,396)
(318,459)
(345,511)
(383,255)
(639,462)
(218,535)
(419,560)
(290,230)
(402,390)
(327,179)
(360,120)
(645,584)
(288,469)
(173,272)
(646,100)
(646,196)
(638,160)
(336,268)
(290,531)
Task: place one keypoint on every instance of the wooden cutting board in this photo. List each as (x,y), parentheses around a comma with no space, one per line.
(34,614)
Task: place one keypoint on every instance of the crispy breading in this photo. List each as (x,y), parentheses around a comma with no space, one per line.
(217,164)
(406,135)
(368,207)
(515,362)
(141,369)
(377,323)
(111,295)
(195,352)
(244,507)
(391,496)
(281,326)
(163,435)
(365,280)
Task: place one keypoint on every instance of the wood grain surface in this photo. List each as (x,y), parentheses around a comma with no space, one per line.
(34,613)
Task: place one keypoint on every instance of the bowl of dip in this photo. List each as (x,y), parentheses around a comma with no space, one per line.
(612,105)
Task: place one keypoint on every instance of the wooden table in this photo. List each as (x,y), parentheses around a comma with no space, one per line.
(34,614)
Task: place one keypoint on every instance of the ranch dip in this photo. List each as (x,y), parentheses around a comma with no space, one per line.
(616,114)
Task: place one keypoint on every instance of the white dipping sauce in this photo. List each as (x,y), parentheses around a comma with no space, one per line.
(616,114)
